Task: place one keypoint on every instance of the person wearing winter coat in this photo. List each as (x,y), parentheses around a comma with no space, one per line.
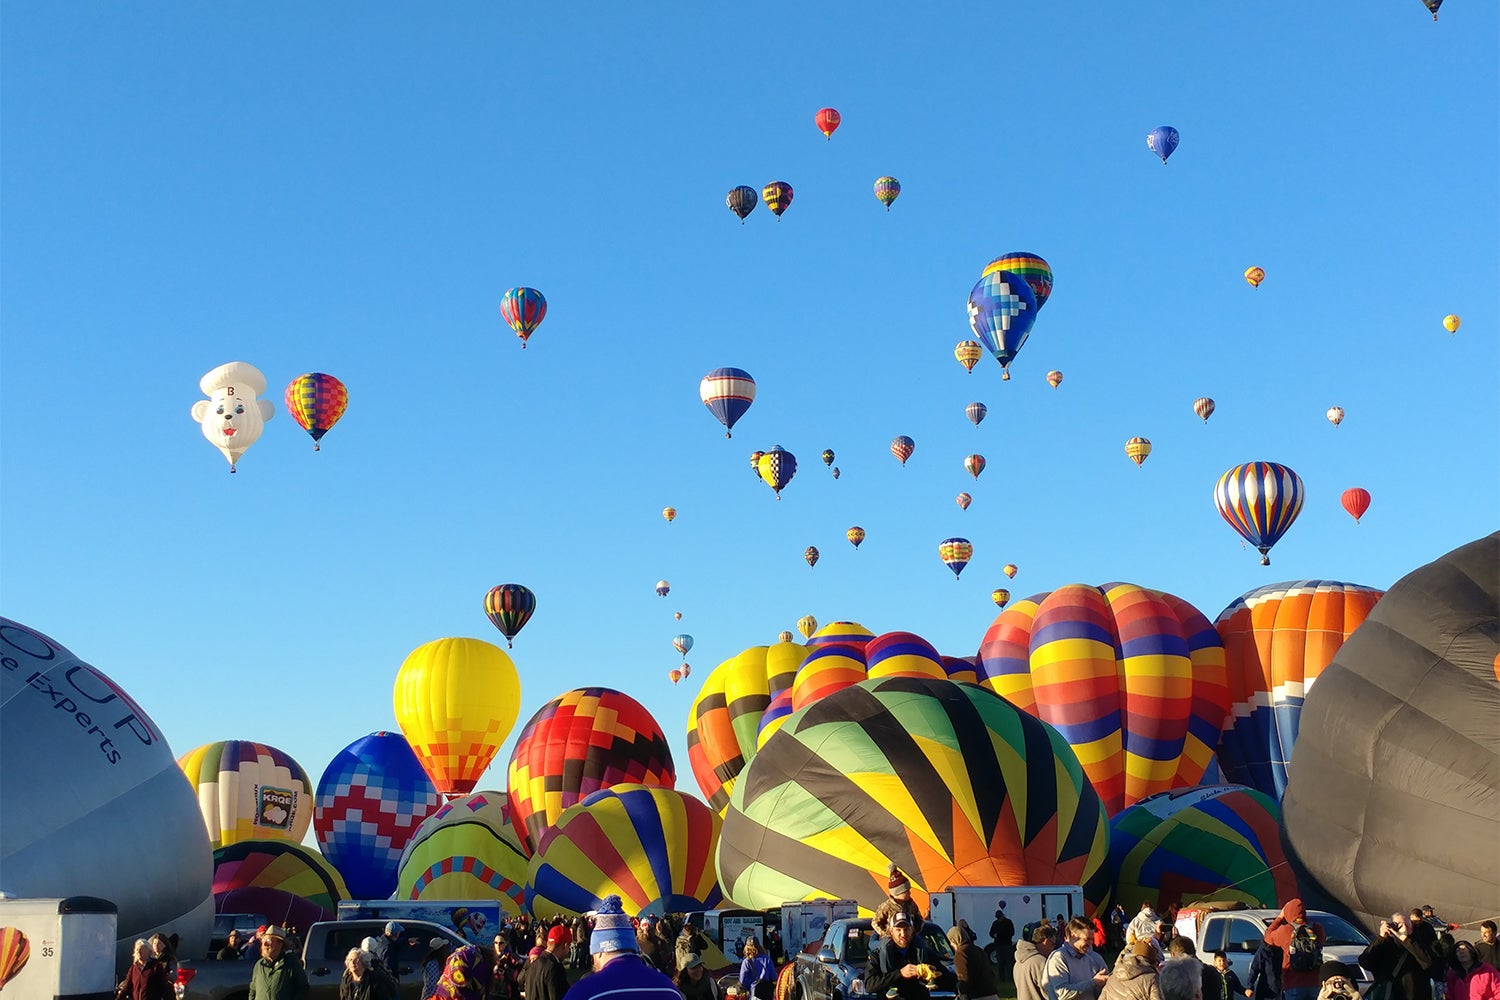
(689,943)
(1031,963)
(1296,984)
(278,973)
(1221,977)
(1264,982)
(693,980)
(904,962)
(756,968)
(147,978)
(1469,978)
(1402,956)
(1134,975)
(976,976)
(365,978)
(898,900)
(1143,925)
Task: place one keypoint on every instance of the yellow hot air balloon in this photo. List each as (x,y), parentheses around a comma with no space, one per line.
(968,353)
(1451,322)
(456,701)
(1000,596)
(1255,275)
(1054,378)
(1136,449)
(785,636)
(670,513)
(855,535)
(1009,569)
(807,625)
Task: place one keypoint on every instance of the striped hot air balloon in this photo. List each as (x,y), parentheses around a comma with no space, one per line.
(955,554)
(778,196)
(963,500)
(903,654)
(968,353)
(741,201)
(279,865)
(1054,378)
(524,309)
(902,447)
(1136,449)
(509,607)
(855,535)
(1204,407)
(1260,501)
(1036,272)
(316,401)
(728,393)
(15,952)
(976,412)
(468,849)
(974,465)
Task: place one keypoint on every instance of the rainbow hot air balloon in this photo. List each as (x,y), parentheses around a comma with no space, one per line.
(1278,640)
(670,513)
(1204,407)
(316,401)
(1000,596)
(777,195)
(1009,569)
(509,607)
(741,201)
(1260,500)
(855,535)
(370,801)
(728,393)
(903,654)
(663,588)
(1451,323)
(682,643)
(974,465)
(827,120)
(963,500)
(1255,275)
(902,447)
(1136,449)
(1162,140)
(15,952)
(955,553)
(1002,308)
(829,667)
(524,309)
(842,633)
(976,413)
(887,190)
(811,555)
(1133,679)
(578,743)
(279,865)
(968,353)
(1356,501)
(468,849)
(1036,272)
(1054,378)
(807,625)
(249,791)
(777,467)
(1335,415)
(652,847)
(456,701)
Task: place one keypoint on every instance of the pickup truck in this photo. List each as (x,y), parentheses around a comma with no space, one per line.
(323,954)
(837,971)
(1238,932)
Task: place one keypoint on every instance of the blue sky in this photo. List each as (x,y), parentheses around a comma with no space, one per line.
(351,188)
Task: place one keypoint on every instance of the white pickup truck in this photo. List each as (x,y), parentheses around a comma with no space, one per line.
(1238,932)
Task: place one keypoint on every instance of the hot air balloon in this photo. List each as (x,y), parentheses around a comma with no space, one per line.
(887,190)
(1432,5)
(578,743)
(1000,596)
(1204,407)
(777,467)
(670,513)
(249,791)
(903,654)
(677,615)
(902,447)
(1356,501)
(974,465)
(827,120)
(15,952)
(1451,323)
(456,701)
(811,555)
(1162,140)
(1133,679)
(279,865)
(843,634)
(674,675)
(468,849)
(828,667)
(652,847)
(1009,569)
(232,418)
(784,636)
(963,500)
(999,799)
(524,309)
(755,462)
(687,670)
(728,393)
(855,535)
(1260,500)
(741,201)
(682,643)
(663,588)
(370,801)
(777,195)
(1399,739)
(1277,641)
(975,412)
(316,401)
(1255,276)
(827,456)
(1036,272)
(1054,378)
(509,607)
(835,472)
(1335,415)
(1136,449)
(955,553)
(807,625)
(968,353)
(1002,308)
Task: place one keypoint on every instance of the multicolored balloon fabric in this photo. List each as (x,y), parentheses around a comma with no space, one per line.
(1002,308)
(1204,407)
(968,353)
(1054,378)
(855,535)
(974,465)
(316,401)
(1036,271)
(468,849)
(1255,275)
(887,190)
(456,701)
(741,201)
(955,554)
(283,865)
(777,467)
(249,791)
(811,555)
(1136,449)
(524,309)
(902,447)
(778,196)
(15,952)
(509,607)
(728,393)
(1260,501)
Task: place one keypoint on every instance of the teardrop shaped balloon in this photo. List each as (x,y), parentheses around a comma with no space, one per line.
(963,500)
(855,535)
(1260,501)
(1451,323)
(968,353)
(835,472)
(807,625)
(509,607)
(674,675)
(784,636)
(1054,378)
(15,952)
(755,462)
(887,190)
(777,195)
(955,553)
(670,513)
(1136,449)
(1204,407)
(902,447)
(741,201)
(827,120)
(524,309)
(1335,415)
(974,465)
(1255,275)
(663,588)
(1009,569)
(316,401)
(1356,501)
(827,456)
(1162,140)
(677,615)
(1000,596)
(682,643)
(777,467)
(811,555)
(1036,271)
(1002,308)
(976,412)
(728,393)
(687,670)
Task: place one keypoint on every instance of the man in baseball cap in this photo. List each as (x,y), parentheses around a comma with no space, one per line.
(546,978)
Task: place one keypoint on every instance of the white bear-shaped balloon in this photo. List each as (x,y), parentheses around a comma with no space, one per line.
(232,416)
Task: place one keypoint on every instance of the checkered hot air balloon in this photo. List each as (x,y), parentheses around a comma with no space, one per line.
(456,701)
(902,447)
(1002,308)
(1260,501)
(777,467)
(316,401)
(1036,272)
(728,393)
(524,309)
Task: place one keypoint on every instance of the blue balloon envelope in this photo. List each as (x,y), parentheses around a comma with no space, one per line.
(1002,308)
(1162,140)
(370,801)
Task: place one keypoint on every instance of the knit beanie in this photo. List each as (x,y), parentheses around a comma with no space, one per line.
(898,884)
(612,930)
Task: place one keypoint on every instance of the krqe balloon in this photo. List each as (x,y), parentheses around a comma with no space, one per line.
(728,393)
(523,310)
(94,803)
(1036,272)
(1356,501)
(1260,501)
(232,417)
(249,791)
(456,701)
(316,401)
(509,607)
(1002,308)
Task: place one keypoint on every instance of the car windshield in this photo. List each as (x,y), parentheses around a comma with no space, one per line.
(937,942)
(1338,930)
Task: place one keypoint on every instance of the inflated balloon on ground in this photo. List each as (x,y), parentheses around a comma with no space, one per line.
(283,865)
(249,791)
(724,721)
(468,849)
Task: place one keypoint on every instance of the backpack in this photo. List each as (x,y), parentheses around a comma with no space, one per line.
(1304,954)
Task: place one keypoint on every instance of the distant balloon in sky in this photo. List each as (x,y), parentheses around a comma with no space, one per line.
(1162,140)
(677,615)
(955,553)
(974,465)
(1033,269)
(670,513)
(777,195)
(1002,308)
(827,456)
(674,675)
(1009,569)
(728,393)
(963,500)
(807,625)
(1204,407)
(835,472)
(777,467)
(1000,596)
(968,353)
(524,309)
(1356,501)
(784,636)
(811,555)
(827,120)
(976,412)
(855,535)
(663,588)
(682,643)
(1433,6)
(316,401)
(887,190)
(687,669)
(755,462)
(902,447)
(741,201)
(509,607)
(1451,323)
(1054,378)
(1255,275)
(1335,415)
(1260,500)
(232,416)
(1136,449)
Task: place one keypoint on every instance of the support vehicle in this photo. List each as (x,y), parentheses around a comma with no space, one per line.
(836,969)
(1238,931)
(69,944)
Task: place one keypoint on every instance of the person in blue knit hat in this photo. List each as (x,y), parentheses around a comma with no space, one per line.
(618,968)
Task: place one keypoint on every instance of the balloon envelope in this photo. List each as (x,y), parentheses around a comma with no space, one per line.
(468,849)
(1162,140)
(456,701)
(1002,308)
(283,865)
(510,606)
(316,401)
(1356,501)
(902,447)
(1036,272)
(725,716)
(827,120)
(741,201)
(728,393)
(249,791)
(1260,500)
(523,309)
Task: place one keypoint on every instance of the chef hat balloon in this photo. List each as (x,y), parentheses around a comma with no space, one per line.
(232,416)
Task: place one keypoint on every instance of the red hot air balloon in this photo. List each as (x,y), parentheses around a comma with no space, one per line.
(902,447)
(1356,501)
(827,120)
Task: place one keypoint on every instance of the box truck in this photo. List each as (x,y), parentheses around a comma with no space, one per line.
(58,949)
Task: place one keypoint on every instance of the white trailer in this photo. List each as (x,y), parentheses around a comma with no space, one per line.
(69,946)
(804,921)
(1023,904)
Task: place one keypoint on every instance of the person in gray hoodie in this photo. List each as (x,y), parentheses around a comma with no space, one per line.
(1031,963)
(1075,971)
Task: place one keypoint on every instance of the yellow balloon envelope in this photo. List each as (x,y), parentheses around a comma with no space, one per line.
(456,701)
(466,850)
(249,791)
(1451,322)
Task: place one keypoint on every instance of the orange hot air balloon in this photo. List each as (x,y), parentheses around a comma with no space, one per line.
(855,535)
(674,675)
(1255,275)
(456,701)
(827,120)
(968,353)
(1356,501)
(1009,569)
(1054,378)
(1000,596)
(15,951)
(1136,449)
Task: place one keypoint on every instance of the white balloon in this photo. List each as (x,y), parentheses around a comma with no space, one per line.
(232,416)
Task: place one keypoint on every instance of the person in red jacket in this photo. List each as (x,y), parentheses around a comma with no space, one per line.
(1296,983)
